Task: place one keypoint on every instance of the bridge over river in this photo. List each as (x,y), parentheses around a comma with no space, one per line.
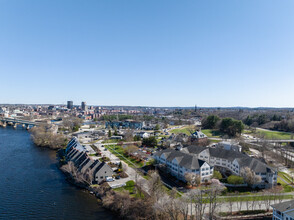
(16,121)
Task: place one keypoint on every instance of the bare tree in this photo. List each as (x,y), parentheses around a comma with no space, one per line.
(199,203)
(184,206)
(192,178)
(213,202)
(169,206)
(155,186)
(249,176)
(129,135)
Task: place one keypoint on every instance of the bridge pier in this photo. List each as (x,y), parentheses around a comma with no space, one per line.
(23,125)
(15,125)
(28,127)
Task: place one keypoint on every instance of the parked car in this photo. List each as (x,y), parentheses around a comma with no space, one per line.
(109,179)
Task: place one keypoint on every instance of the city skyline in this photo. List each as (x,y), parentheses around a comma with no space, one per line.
(151,53)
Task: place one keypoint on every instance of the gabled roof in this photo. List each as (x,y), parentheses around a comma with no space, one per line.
(244,160)
(184,160)
(284,206)
(198,135)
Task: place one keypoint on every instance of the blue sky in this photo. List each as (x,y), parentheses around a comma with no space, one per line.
(150,53)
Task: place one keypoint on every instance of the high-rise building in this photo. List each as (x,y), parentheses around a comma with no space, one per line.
(69,104)
(84,106)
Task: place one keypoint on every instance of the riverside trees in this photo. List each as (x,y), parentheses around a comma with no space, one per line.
(44,137)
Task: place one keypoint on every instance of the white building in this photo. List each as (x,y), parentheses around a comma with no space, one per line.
(230,160)
(283,211)
(179,163)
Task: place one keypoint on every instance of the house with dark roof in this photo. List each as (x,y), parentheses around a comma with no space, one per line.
(223,159)
(199,137)
(77,154)
(179,163)
(283,210)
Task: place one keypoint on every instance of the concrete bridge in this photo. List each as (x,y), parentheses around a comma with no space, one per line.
(15,121)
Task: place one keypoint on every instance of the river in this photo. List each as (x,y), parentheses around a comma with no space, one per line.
(32,186)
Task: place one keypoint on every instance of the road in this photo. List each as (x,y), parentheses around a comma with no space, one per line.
(132,173)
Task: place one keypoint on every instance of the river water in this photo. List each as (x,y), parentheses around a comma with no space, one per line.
(32,186)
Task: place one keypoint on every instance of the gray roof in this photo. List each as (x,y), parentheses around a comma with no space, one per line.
(77,154)
(284,206)
(184,160)
(198,135)
(244,160)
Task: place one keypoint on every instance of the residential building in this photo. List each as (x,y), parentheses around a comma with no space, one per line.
(228,160)
(97,171)
(229,146)
(283,211)
(143,134)
(199,137)
(178,163)
(124,124)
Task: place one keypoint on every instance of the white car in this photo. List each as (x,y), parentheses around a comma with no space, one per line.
(109,179)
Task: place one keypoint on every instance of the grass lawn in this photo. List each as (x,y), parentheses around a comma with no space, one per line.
(207,132)
(212,133)
(109,141)
(285,176)
(130,187)
(215,141)
(119,152)
(287,188)
(184,130)
(254,198)
(275,134)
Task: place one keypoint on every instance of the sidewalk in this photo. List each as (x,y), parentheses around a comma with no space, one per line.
(132,173)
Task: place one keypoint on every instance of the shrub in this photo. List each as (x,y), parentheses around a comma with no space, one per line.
(217,175)
(130,183)
(235,180)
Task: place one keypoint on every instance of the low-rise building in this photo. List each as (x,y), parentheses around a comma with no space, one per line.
(198,137)
(227,160)
(179,163)
(131,124)
(97,170)
(283,211)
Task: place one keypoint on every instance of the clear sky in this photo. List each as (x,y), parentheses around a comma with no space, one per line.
(148,52)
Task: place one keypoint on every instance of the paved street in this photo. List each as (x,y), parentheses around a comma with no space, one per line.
(133,175)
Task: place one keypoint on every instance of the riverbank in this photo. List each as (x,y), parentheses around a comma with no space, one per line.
(33,187)
(124,203)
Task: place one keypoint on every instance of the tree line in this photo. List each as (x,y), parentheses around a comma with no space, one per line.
(227,126)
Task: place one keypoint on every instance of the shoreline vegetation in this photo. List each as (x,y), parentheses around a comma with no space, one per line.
(121,202)
(43,136)
(132,202)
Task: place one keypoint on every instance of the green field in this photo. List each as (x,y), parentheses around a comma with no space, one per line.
(207,132)
(119,152)
(287,188)
(275,134)
(184,130)
(110,141)
(130,187)
(212,133)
